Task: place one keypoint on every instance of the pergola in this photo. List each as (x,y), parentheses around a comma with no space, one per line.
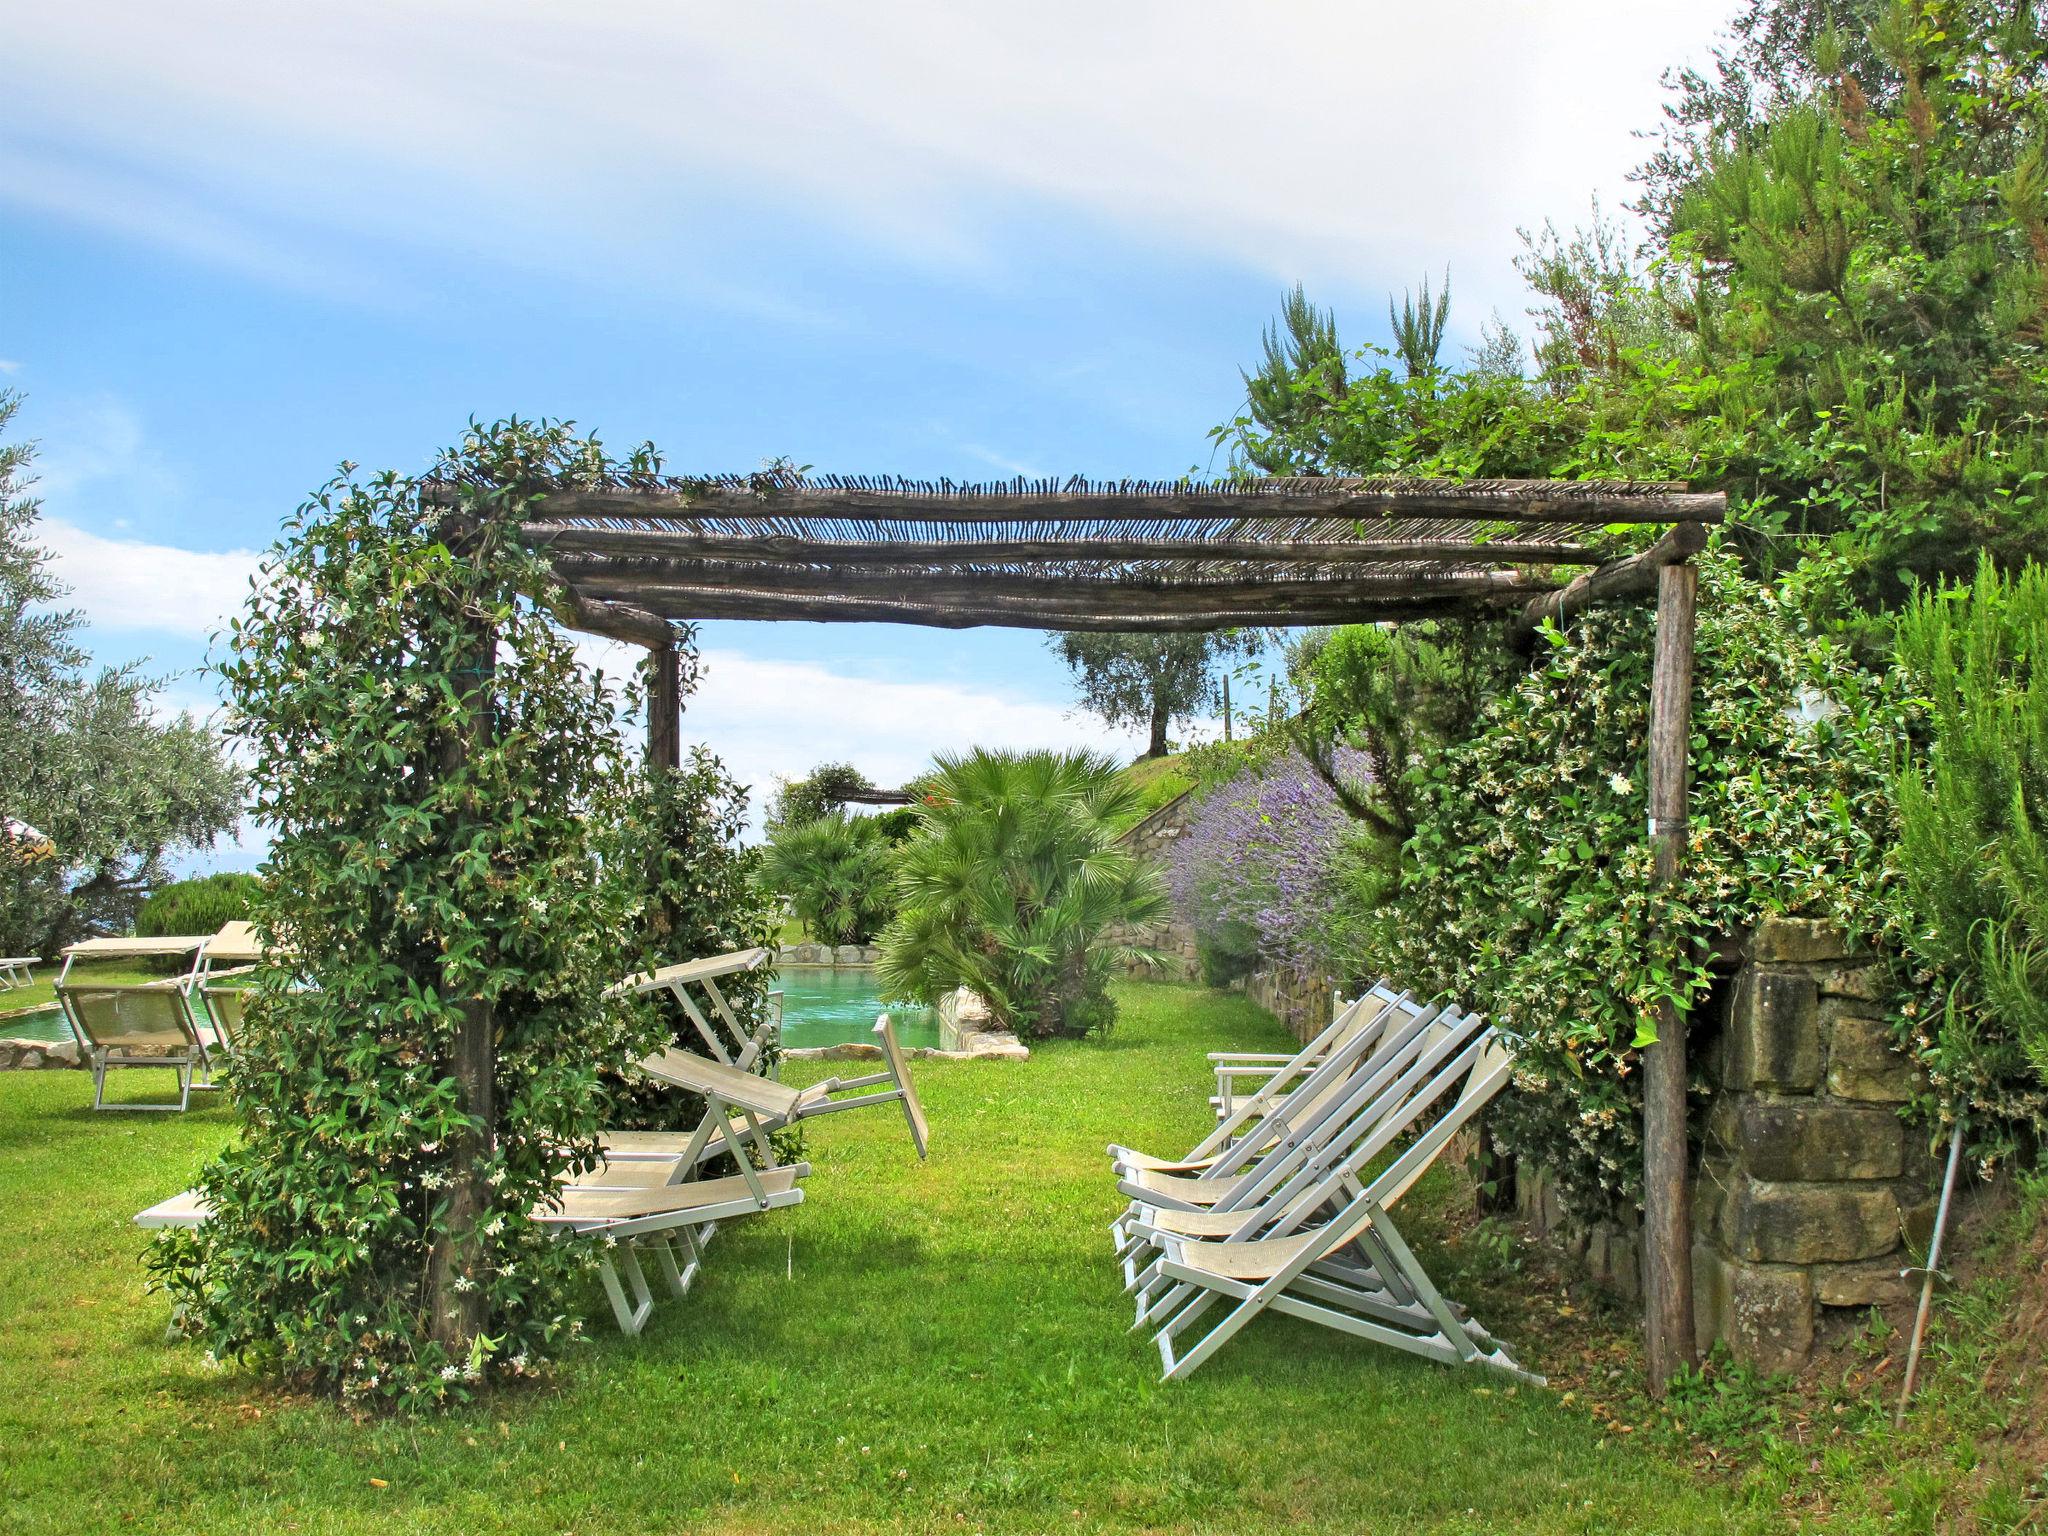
(636,558)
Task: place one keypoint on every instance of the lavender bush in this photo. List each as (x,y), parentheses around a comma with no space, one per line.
(1257,870)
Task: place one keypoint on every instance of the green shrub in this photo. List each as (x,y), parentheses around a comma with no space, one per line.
(1526,890)
(1973,845)
(1013,885)
(198,906)
(436,766)
(837,871)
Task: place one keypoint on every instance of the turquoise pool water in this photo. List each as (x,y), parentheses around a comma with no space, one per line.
(824,1005)
(820,1006)
(43,1024)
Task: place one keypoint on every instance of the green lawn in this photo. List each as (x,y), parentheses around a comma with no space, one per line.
(929,1348)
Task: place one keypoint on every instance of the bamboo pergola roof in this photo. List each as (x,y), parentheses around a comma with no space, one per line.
(1077,554)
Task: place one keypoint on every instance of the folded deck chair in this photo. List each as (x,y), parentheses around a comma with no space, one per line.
(626,1221)
(703,974)
(1373,1105)
(137,1024)
(1352,1271)
(1278,1111)
(1239,1073)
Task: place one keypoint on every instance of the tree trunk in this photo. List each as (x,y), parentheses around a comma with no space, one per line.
(455,1295)
(1161,717)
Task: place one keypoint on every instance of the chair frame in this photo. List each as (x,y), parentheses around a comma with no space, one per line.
(193,1058)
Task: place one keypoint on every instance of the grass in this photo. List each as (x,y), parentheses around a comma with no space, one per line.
(936,1347)
(1157,780)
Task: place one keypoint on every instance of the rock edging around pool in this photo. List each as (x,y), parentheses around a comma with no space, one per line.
(827,954)
(19,1055)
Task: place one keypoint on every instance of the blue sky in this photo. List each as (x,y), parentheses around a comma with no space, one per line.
(242,242)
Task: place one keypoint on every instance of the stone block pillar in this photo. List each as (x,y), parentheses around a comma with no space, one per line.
(1812,1188)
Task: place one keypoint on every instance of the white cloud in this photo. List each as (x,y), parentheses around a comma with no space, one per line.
(134,585)
(9,365)
(769,718)
(1337,141)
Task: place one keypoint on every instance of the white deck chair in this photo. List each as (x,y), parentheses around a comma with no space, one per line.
(1239,1073)
(18,971)
(1274,1117)
(137,1024)
(1353,1272)
(626,1221)
(1376,1103)
(703,974)
(779,1106)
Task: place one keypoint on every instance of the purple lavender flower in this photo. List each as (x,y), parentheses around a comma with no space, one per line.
(1259,851)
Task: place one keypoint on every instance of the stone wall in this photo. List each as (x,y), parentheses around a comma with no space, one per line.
(1810,1191)
(1173,939)
(1302,1000)
(827,954)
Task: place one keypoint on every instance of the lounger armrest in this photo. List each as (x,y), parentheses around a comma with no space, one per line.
(1266,1073)
(1275,1058)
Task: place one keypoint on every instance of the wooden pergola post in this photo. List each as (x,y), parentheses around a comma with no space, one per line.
(664,708)
(1667,1194)
(457,1307)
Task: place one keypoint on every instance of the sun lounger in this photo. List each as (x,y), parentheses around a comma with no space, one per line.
(137,1024)
(625,1221)
(703,974)
(774,1106)
(1349,1269)
(18,971)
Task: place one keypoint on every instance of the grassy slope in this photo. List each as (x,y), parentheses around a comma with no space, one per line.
(1157,781)
(936,1347)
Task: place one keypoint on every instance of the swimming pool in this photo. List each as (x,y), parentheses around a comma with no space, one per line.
(821,1005)
(829,1005)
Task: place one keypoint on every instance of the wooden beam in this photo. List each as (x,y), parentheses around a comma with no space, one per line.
(1072,594)
(1537,501)
(1667,1171)
(718,603)
(684,544)
(1630,577)
(664,709)
(614,621)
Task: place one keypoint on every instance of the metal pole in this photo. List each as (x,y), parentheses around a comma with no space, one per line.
(1948,1185)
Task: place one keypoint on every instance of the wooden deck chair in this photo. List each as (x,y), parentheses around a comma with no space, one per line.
(628,1222)
(1239,1073)
(786,1106)
(703,975)
(1376,1105)
(137,1024)
(1353,1272)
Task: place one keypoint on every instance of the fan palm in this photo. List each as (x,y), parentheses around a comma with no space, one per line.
(1013,884)
(836,872)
